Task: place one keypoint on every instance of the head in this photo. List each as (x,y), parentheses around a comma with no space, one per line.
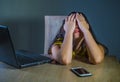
(77,32)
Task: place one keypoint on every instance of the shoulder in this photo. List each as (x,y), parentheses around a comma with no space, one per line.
(56,44)
(103,48)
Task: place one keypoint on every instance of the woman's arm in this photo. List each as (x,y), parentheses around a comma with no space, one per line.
(63,54)
(95,51)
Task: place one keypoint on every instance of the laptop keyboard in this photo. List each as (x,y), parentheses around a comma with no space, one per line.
(29,57)
(24,60)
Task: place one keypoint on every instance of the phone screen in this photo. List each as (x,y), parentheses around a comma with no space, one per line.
(81,71)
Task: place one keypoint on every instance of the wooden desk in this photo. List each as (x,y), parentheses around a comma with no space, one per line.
(107,71)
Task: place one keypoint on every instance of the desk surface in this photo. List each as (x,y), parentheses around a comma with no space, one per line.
(107,71)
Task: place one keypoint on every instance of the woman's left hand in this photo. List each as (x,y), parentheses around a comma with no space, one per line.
(83,25)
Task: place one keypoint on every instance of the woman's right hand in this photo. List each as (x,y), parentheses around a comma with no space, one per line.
(70,22)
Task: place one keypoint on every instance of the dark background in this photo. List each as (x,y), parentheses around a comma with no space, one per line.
(25,19)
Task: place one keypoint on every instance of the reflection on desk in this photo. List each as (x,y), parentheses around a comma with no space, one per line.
(107,71)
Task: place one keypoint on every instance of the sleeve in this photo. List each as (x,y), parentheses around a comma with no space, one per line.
(57,41)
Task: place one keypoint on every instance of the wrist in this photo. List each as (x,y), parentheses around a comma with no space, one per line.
(69,32)
(86,32)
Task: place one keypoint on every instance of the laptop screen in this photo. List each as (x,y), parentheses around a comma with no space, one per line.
(7,53)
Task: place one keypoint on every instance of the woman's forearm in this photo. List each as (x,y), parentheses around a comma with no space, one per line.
(96,54)
(66,48)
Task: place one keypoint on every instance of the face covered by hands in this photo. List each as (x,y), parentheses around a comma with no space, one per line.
(75,23)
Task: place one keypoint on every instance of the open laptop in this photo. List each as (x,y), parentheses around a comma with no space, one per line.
(19,58)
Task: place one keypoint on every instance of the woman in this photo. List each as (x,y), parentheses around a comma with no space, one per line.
(76,41)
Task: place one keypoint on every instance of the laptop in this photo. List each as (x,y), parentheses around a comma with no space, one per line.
(18,58)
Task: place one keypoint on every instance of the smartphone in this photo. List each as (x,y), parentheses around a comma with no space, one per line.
(80,71)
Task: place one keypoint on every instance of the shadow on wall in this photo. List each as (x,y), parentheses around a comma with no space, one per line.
(25,34)
(118,58)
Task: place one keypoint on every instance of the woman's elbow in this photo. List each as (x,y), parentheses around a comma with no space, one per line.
(97,60)
(65,61)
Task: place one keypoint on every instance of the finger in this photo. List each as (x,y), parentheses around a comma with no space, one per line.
(74,20)
(82,17)
(73,17)
(77,15)
(69,17)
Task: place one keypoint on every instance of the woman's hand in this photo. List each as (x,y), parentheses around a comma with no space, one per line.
(69,25)
(83,25)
